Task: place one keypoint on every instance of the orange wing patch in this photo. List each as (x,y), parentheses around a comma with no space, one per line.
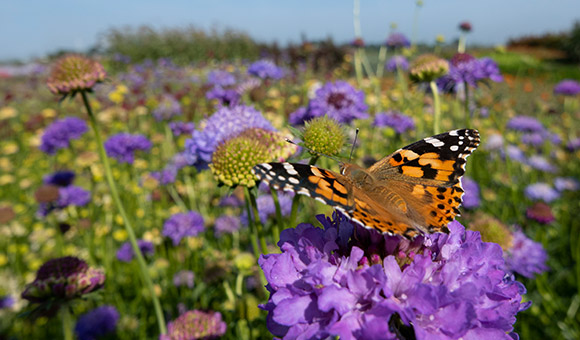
(443,206)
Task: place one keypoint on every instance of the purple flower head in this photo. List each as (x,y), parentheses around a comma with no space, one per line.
(62,178)
(70,195)
(227,122)
(525,256)
(357,42)
(398,121)
(567,87)
(125,252)
(488,69)
(6,302)
(226,97)
(165,176)
(266,207)
(97,323)
(196,324)
(494,142)
(566,183)
(515,153)
(227,224)
(59,134)
(122,146)
(265,69)
(397,62)
(525,124)
(397,40)
(338,100)
(181,225)
(184,278)
(573,144)
(231,201)
(465,26)
(181,128)
(534,139)
(220,78)
(168,108)
(471,196)
(320,286)
(541,192)
(464,68)
(540,212)
(540,163)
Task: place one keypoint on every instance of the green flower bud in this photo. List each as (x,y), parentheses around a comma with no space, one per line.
(324,135)
(277,147)
(428,67)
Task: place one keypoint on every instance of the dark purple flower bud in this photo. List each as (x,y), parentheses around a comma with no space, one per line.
(62,178)
(540,212)
(97,323)
(358,43)
(465,26)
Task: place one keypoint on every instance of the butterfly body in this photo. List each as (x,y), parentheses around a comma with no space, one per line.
(415,190)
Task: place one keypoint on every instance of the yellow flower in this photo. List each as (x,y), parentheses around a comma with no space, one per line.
(48,113)
(10,148)
(3,260)
(120,235)
(119,219)
(6,179)
(7,112)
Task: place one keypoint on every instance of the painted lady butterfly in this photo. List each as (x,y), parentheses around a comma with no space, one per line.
(414,190)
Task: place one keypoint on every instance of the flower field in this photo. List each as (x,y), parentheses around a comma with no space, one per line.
(129,208)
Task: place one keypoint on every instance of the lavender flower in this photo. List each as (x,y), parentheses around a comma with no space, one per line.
(266,207)
(494,142)
(265,69)
(6,302)
(70,195)
(397,40)
(465,68)
(60,133)
(165,176)
(397,62)
(62,178)
(540,163)
(227,224)
(125,252)
(567,87)
(226,97)
(184,278)
(398,121)
(320,287)
(122,146)
(196,324)
(225,123)
(573,144)
(181,225)
(488,69)
(541,191)
(525,124)
(181,128)
(515,153)
(566,183)
(471,197)
(525,256)
(338,100)
(220,78)
(168,108)
(97,323)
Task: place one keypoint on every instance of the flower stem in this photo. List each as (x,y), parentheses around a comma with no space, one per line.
(381,62)
(127,222)
(258,223)
(67,325)
(437,108)
(461,44)
(466,106)
(278,225)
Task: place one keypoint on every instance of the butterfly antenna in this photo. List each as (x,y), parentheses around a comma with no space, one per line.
(315,152)
(353,145)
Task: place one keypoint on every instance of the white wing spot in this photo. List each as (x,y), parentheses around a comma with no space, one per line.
(266,166)
(293,180)
(434,141)
(453,133)
(454,148)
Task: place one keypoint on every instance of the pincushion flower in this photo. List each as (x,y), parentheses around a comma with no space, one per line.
(97,323)
(63,278)
(567,87)
(526,257)
(167,108)
(540,163)
(195,324)
(184,278)
(321,286)
(466,69)
(69,195)
(126,254)
(60,133)
(227,224)
(397,40)
(123,146)
(566,183)
(74,73)
(525,124)
(339,101)
(181,128)
(428,67)
(471,196)
(397,62)
(265,69)
(398,121)
(324,135)
(181,225)
(224,96)
(541,191)
(540,212)
(220,78)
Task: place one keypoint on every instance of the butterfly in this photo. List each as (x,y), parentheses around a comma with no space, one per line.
(413,191)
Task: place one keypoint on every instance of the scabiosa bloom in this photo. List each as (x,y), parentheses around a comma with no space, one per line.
(428,67)
(167,108)
(525,256)
(6,302)
(397,62)
(75,73)
(195,324)
(540,163)
(398,121)
(122,146)
(69,195)
(525,124)
(397,40)
(265,69)
(471,196)
(573,144)
(182,225)
(97,323)
(220,78)
(488,69)
(59,134)
(125,252)
(62,178)
(515,153)
(63,278)
(567,87)
(324,135)
(465,26)
(566,183)
(184,278)
(227,224)
(227,122)
(226,97)
(320,287)
(541,191)
(181,128)
(540,212)
(339,101)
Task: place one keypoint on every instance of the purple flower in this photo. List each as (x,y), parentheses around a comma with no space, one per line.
(226,97)
(227,224)
(338,100)
(397,62)
(321,287)
(225,123)
(181,225)
(465,26)
(540,163)
(168,108)
(70,195)
(184,278)
(534,139)
(59,134)
(573,144)
(525,124)
(566,183)
(471,196)
(125,252)
(265,69)
(62,178)
(122,146)
(6,301)
(515,153)
(230,201)
(540,212)
(266,207)
(220,78)
(398,121)
(195,324)
(542,192)
(488,69)
(166,176)
(567,87)
(397,40)
(181,128)
(525,256)
(97,323)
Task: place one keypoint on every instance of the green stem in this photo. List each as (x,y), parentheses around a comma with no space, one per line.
(466,106)
(278,224)
(258,223)
(381,62)
(296,198)
(366,63)
(127,222)
(437,108)
(461,44)
(253,230)
(358,67)
(67,324)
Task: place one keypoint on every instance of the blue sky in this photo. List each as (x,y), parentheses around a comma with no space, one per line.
(32,28)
